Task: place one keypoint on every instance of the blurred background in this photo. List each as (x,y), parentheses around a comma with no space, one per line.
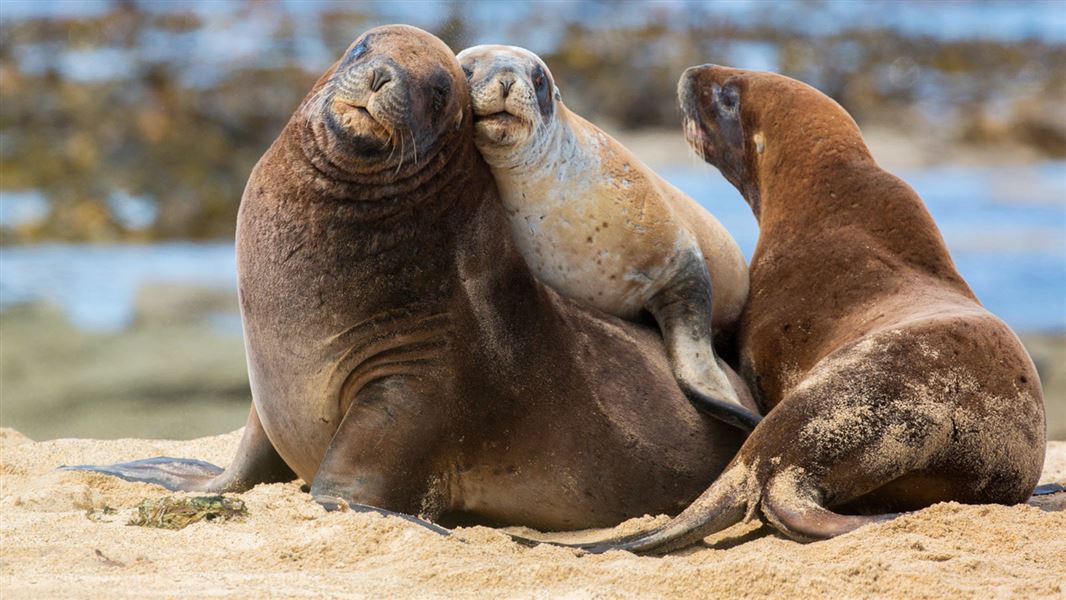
(128,129)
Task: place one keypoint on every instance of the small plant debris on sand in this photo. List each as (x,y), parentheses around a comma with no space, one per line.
(179,512)
(97,514)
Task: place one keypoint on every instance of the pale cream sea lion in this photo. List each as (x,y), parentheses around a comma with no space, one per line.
(598,225)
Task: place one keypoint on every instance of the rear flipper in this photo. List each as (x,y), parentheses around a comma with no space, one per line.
(256,462)
(682,307)
(791,507)
(786,502)
(722,505)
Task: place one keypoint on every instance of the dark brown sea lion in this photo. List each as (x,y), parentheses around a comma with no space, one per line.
(402,356)
(889,386)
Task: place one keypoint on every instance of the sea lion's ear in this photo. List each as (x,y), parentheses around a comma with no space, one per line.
(558,94)
(459,118)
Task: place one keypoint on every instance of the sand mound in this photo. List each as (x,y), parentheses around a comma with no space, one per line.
(59,541)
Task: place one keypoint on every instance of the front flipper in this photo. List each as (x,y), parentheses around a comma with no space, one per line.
(381,457)
(256,462)
(1048,489)
(172,473)
(332,503)
(595,547)
(682,307)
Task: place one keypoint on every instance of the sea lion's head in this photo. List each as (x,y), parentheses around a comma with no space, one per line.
(736,120)
(513,95)
(387,103)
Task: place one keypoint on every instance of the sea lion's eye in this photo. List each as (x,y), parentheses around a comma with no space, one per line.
(359,50)
(467,72)
(538,78)
(542,91)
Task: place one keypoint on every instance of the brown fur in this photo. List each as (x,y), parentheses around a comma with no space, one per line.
(400,352)
(888,386)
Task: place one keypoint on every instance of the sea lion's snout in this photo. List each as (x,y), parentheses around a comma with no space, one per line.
(695,92)
(502,111)
(354,101)
(369,98)
(393,95)
(710,100)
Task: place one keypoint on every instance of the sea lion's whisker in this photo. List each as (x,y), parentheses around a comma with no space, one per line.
(402,153)
(414,144)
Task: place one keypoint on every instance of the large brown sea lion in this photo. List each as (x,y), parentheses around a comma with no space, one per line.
(401,354)
(598,225)
(889,386)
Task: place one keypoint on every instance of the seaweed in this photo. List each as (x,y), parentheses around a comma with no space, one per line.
(178,512)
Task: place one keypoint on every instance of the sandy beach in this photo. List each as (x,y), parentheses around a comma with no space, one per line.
(59,542)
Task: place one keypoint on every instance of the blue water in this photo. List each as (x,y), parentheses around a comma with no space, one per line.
(1005,227)
(95,285)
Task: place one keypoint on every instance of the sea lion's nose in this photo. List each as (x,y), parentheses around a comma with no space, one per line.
(505,84)
(379,76)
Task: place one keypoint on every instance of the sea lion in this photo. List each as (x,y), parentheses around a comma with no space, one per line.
(889,386)
(596,224)
(402,356)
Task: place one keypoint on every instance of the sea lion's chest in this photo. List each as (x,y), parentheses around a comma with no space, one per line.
(580,233)
(325,311)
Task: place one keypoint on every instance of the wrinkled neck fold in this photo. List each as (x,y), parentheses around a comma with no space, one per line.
(381,187)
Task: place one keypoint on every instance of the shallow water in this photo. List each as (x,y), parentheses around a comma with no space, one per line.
(95,285)
(1005,227)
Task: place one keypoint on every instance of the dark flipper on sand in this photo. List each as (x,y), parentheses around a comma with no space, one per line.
(256,461)
(594,547)
(172,473)
(1048,488)
(333,503)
